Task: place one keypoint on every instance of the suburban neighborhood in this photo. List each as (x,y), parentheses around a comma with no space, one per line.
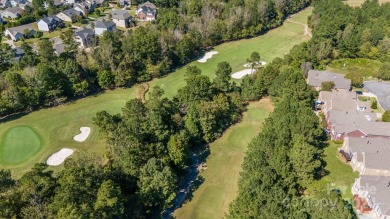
(366,140)
(87,19)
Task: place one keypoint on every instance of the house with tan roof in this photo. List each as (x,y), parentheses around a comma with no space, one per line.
(17,33)
(342,100)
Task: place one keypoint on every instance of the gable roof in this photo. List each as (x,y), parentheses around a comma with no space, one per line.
(15,10)
(381,194)
(374,152)
(148,4)
(104,24)
(120,14)
(50,19)
(85,33)
(70,12)
(20,29)
(315,78)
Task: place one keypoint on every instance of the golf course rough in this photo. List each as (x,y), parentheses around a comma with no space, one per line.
(19,144)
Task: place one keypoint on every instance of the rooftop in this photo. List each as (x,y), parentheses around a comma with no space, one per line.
(315,78)
(379,189)
(120,14)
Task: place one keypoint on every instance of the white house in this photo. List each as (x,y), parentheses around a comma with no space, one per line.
(50,23)
(17,33)
(12,13)
(102,26)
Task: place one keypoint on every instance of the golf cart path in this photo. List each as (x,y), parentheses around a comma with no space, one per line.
(307,29)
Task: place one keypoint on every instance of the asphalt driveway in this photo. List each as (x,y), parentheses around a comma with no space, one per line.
(381,90)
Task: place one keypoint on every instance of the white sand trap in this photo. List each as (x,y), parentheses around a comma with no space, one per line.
(247,65)
(59,157)
(242,73)
(207,56)
(83,135)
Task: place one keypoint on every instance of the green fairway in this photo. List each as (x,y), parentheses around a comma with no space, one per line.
(56,126)
(212,198)
(19,144)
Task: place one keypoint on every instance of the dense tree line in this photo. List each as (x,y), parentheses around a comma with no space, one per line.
(183,29)
(148,150)
(284,161)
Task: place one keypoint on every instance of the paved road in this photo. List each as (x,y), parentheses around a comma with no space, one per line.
(381,90)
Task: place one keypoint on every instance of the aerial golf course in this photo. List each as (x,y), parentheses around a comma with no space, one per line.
(31,138)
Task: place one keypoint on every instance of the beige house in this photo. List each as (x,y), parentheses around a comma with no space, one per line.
(121,18)
(67,15)
(369,156)
(342,100)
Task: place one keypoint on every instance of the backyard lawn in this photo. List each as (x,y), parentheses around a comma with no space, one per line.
(341,174)
(220,186)
(355,3)
(56,126)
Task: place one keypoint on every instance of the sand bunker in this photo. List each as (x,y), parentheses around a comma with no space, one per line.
(248,65)
(83,135)
(242,73)
(59,157)
(207,56)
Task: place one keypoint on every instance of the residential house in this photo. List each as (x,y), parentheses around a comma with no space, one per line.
(85,7)
(369,156)
(342,100)
(372,196)
(59,48)
(100,2)
(145,13)
(102,26)
(85,38)
(17,33)
(315,79)
(149,5)
(67,15)
(19,53)
(5,4)
(17,3)
(56,3)
(124,3)
(121,18)
(50,23)
(23,6)
(353,123)
(12,13)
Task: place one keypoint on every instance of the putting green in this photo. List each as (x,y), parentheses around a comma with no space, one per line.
(20,143)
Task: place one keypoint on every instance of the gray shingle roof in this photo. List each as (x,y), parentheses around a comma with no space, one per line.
(71,12)
(315,78)
(15,10)
(85,33)
(50,19)
(104,24)
(149,5)
(379,190)
(375,152)
(20,29)
(120,14)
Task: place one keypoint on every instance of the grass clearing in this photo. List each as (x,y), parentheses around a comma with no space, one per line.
(220,186)
(58,125)
(357,3)
(340,173)
(366,67)
(19,144)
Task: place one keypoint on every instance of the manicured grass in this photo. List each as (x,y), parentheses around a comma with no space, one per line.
(19,144)
(57,126)
(356,3)
(220,186)
(274,44)
(366,67)
(303,16)
(340,173)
